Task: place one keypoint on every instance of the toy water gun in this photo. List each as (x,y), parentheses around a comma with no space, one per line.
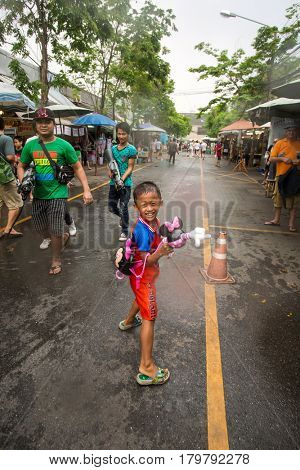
(174,235)
(113,166)
(28,182)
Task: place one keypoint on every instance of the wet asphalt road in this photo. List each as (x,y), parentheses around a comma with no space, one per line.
(67,372)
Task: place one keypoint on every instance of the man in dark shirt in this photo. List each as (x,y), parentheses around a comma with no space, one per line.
(8,186)
(172,150)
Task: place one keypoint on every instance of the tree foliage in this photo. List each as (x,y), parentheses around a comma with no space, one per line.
(128,62)
(106,47)
(52,25)
(242,81)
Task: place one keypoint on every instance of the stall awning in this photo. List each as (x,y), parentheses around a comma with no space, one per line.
(11,99)
(289,90)
(286,104)
(149,128)
(241,125)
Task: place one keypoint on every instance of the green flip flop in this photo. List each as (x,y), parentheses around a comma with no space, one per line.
(161,377)
(137,322)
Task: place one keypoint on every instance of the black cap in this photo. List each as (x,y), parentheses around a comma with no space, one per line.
(44,113)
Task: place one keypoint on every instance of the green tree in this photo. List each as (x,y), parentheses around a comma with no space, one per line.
(53,25)
(242,81)
(179,125)
(218,117)
(128,62)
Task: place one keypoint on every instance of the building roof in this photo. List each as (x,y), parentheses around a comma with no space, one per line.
(289,90)
(241,125)
(32,71)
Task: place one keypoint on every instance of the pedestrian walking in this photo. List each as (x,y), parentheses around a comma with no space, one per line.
(50,194)
(172,151)
(158,148)
(203,147)
(286,155)
(148,248)
(190,149)
(218,153)
(8,186)
(197,148)
(125,155)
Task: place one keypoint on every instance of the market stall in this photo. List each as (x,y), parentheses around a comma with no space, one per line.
(244,138)
(99,136)
(278,112)
(145,136)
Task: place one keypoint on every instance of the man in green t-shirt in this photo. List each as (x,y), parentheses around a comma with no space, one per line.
(50,197)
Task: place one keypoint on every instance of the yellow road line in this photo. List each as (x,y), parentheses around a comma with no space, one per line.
(25,219)
(245,229)
(216,410)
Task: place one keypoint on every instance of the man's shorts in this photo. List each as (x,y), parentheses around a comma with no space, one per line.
(290,202)
(48,216)
(10,196)
(145,297)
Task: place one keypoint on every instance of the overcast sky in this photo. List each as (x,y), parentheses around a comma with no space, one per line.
(199,20)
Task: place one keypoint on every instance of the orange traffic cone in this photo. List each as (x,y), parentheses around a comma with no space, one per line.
(217,273)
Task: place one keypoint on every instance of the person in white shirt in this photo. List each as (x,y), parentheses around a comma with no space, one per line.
(197,148)
(158,148)
(190,149)
(203,147)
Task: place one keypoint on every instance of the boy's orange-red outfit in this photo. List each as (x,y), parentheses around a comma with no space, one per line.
(145,239)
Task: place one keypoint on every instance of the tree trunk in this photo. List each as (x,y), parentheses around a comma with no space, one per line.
(43,39)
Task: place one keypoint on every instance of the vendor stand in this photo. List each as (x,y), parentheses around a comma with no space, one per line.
(99,136)
(145,135)
(243,139)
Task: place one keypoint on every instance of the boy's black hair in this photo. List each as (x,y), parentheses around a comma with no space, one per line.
(2,125)
(124,126)
(18,137)
(144,188)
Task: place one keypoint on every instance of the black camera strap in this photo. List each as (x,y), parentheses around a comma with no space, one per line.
(53,164)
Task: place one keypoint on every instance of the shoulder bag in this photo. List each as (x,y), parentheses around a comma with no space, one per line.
(64,173)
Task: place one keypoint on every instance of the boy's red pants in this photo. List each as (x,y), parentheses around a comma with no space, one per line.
(145,295)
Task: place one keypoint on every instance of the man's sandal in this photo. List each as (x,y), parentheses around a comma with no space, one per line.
(55,270)
(137,322)
(271,222)
(162,376)
(292,229)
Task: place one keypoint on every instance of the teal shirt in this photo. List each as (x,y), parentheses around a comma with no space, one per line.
(122,157)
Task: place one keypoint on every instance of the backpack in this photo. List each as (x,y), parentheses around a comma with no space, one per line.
(6,171)
(125,263)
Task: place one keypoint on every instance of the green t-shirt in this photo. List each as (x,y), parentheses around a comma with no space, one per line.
(46,185)
(122,157)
